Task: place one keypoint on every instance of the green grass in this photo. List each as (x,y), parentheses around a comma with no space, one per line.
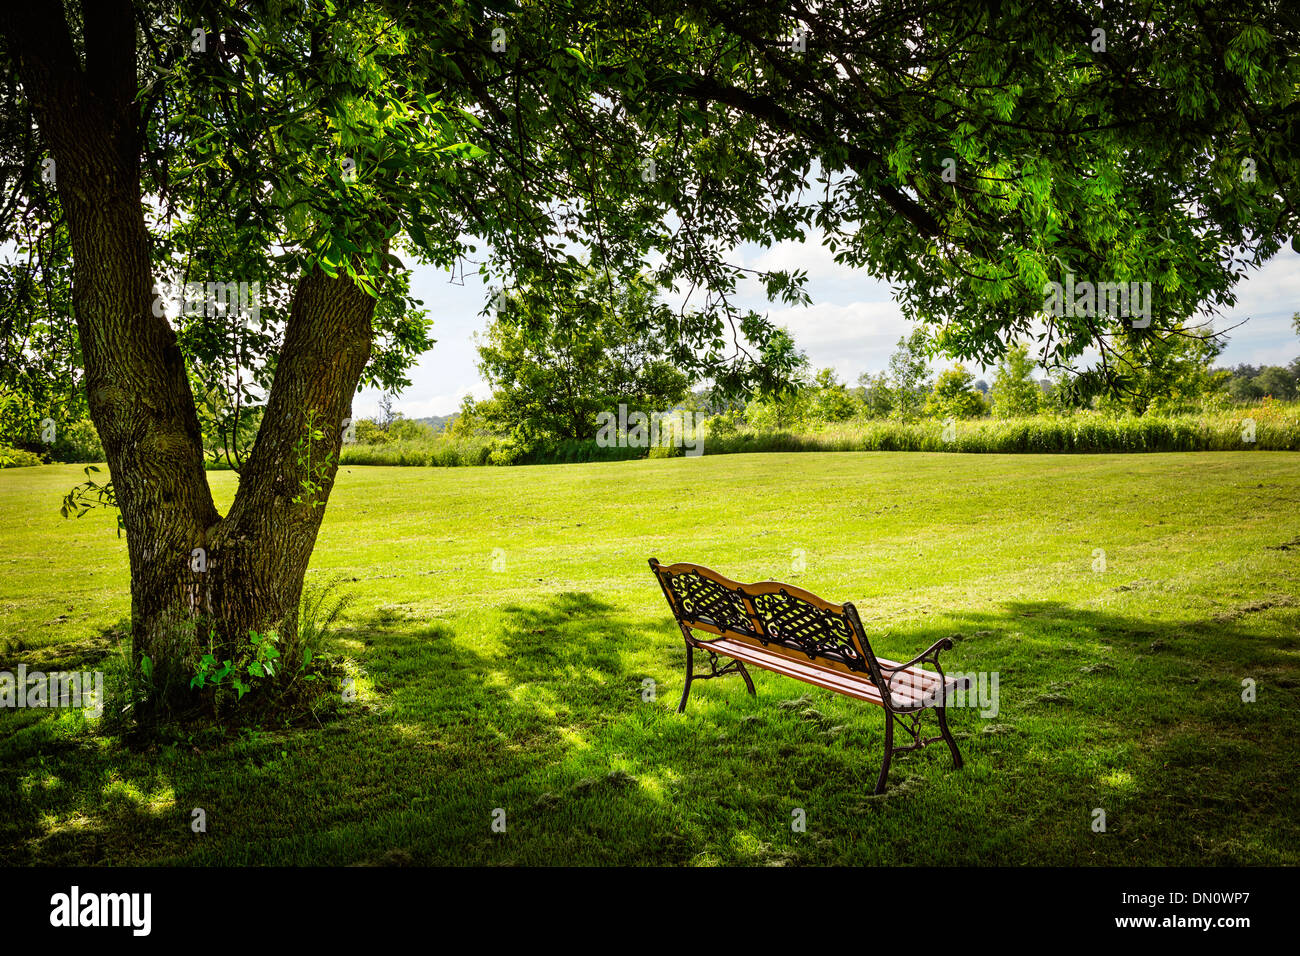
(1276,428)
(521,688)
(1260,426)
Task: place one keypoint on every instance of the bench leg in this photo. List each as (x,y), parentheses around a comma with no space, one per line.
(952,744)
(690,675)
(889,752)
(716,672)
(745,674)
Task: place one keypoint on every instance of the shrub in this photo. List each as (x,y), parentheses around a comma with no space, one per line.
(78,442)
(17,458)
(953,396)
(1276,428)
(1217,427)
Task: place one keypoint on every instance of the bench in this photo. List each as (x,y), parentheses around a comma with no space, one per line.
(790,631)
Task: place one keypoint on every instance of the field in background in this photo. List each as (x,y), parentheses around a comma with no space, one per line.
(506,623)
(1266,426)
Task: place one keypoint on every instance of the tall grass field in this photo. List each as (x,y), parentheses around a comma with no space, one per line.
(1266,426)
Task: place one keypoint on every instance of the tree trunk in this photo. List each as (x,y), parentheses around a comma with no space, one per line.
(258,554)
(192,572)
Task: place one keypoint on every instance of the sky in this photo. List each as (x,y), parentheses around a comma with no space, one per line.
(852,325)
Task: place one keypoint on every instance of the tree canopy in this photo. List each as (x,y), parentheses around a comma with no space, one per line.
(972,153)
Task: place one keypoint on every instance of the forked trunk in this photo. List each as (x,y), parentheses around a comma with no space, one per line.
(244,572)
(258,554)
(194,574)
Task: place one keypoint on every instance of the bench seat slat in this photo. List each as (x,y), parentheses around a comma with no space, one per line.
(914,687)
(809,673)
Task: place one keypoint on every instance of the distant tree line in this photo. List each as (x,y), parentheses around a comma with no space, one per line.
(549,385)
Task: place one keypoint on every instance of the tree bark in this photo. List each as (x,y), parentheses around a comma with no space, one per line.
(192,572)
(138,393)
(259,553)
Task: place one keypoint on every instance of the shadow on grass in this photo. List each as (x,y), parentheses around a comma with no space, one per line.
(554,720)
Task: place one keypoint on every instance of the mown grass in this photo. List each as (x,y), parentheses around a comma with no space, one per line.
(506,622)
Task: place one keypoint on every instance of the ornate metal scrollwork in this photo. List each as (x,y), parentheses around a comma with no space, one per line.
(910,722)
(732,666)
(794,623)
(710,602)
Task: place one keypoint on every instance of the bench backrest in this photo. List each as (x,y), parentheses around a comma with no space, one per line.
(780,617)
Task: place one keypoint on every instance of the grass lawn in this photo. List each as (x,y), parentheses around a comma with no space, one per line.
(506,621)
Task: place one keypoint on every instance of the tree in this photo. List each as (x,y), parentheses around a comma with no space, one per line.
(555,366)
(1167,370)
(1014,390)
(471,420)
(877,395)
(1241,383)
(909,372)
(953,396)
(232,140)
(386,414)
(1276,382)
(831,401)
(778,409)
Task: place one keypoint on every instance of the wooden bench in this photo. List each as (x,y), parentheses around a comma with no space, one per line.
(790,631)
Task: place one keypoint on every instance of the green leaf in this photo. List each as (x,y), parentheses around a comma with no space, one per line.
(465,150)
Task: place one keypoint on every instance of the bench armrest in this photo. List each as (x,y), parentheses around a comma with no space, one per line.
(929,655)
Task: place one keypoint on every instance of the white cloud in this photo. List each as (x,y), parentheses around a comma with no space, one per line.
(1272,289)
(850,338)
(811,256)
(1267,298)
(413,404)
